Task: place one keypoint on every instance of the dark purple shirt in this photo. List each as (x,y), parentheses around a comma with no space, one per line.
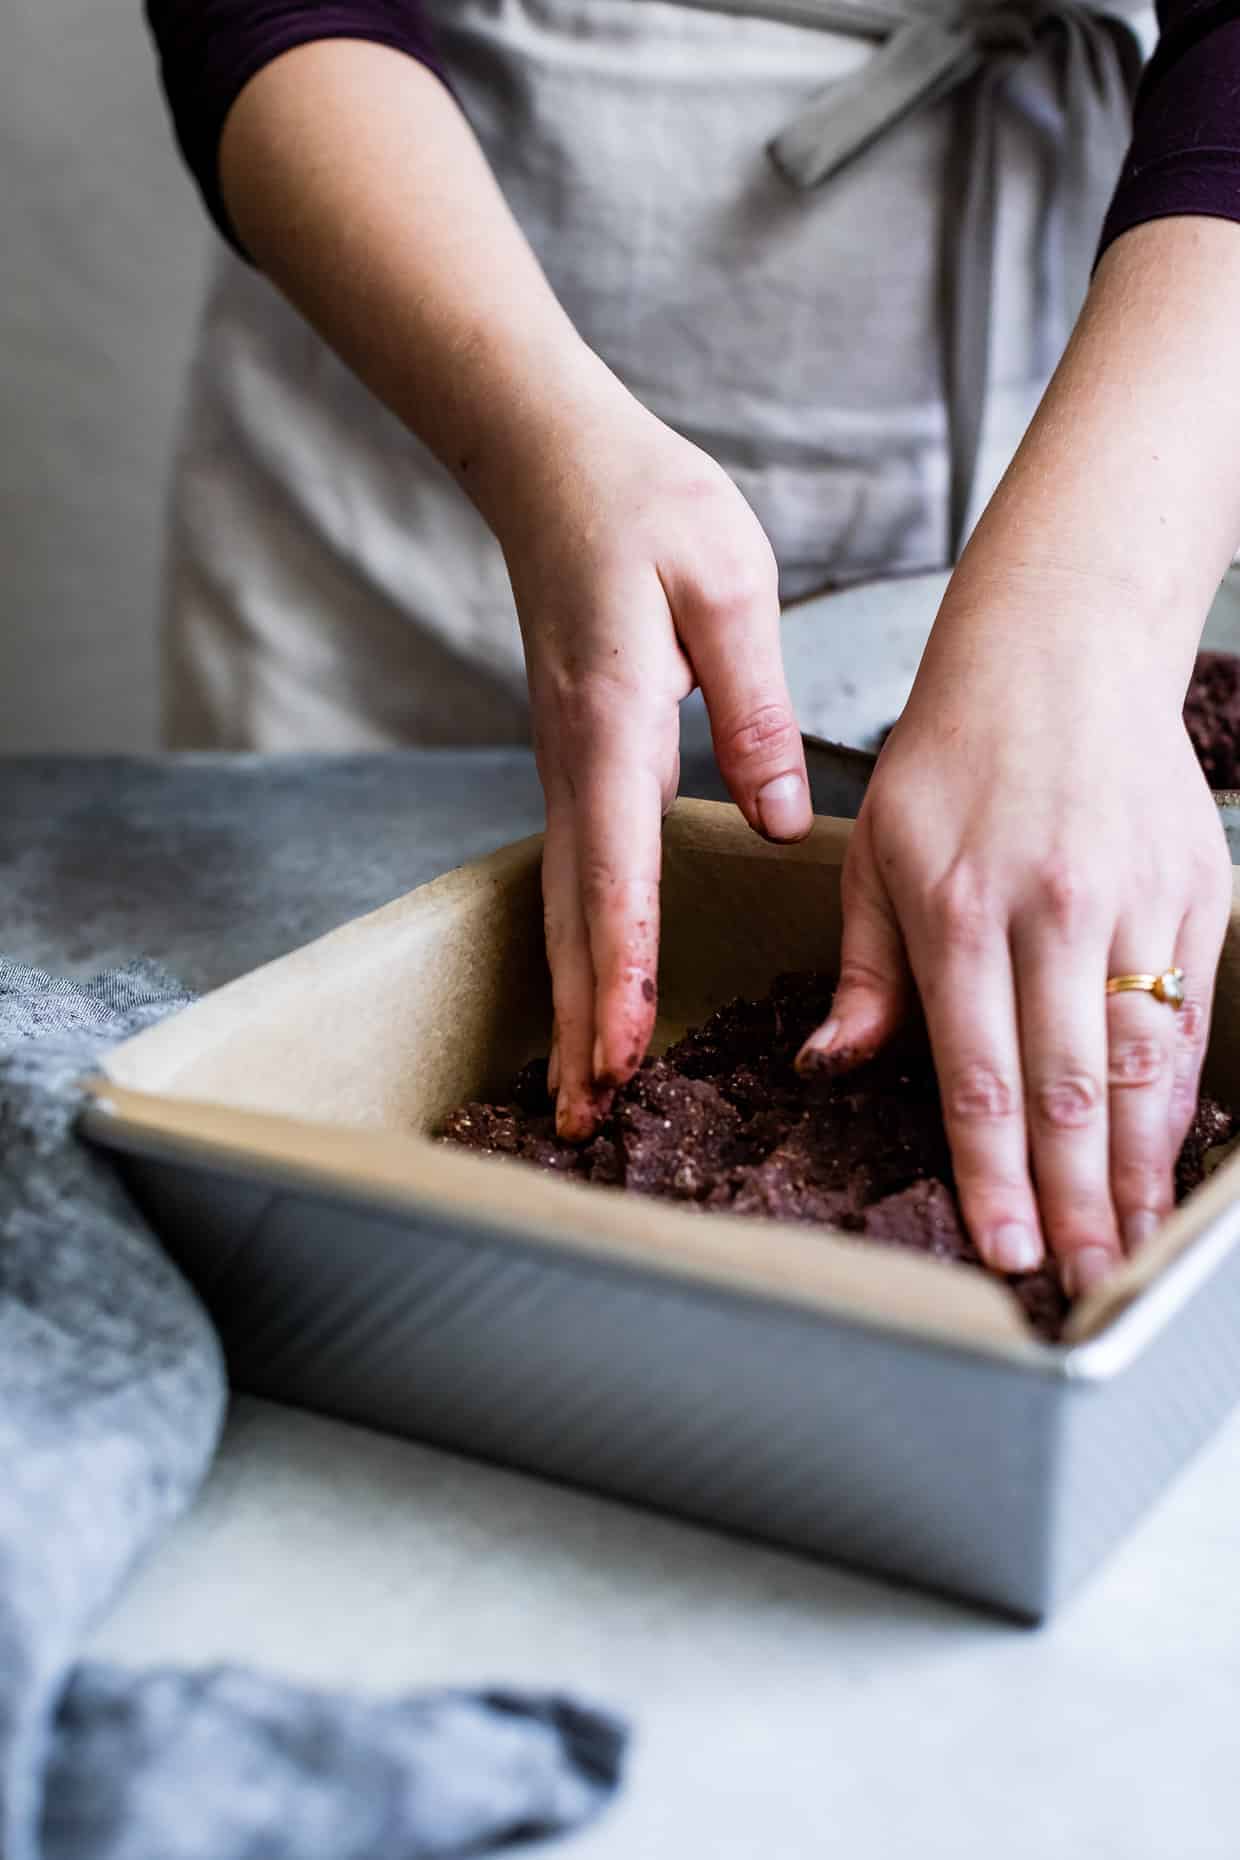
(1184,156)
(1185,151)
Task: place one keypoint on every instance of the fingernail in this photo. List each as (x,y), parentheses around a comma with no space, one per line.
(1014,1248)
(783,807)
(1086,1269)
(1138,1228)
(817,1047)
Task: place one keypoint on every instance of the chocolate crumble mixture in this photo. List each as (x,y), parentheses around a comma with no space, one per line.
(1212,716)
(722,1121)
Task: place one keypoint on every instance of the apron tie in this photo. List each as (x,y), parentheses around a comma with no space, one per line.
(919,64)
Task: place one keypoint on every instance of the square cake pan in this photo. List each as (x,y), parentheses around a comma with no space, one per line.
(853,1402)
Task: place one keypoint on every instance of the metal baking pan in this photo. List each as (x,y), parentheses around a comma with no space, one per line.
(881,1410)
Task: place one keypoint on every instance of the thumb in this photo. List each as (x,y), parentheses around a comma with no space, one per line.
(733,643)
(873,993)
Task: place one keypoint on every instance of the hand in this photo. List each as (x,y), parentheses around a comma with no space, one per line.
(638,571)
(1037,822)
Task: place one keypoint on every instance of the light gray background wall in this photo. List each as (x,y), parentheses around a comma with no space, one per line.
(102,245)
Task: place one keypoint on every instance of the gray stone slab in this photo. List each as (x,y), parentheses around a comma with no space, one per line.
(214,864)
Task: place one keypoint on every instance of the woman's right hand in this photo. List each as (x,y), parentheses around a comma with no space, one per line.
(356,183)
(639,571)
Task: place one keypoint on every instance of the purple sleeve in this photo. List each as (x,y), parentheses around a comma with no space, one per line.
(210,49)
(1185,151)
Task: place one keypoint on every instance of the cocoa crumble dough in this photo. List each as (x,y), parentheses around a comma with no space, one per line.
(1212,717)
(722,1121)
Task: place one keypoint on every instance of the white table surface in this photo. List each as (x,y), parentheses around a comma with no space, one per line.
(782,1710)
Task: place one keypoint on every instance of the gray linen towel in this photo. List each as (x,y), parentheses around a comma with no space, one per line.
(112,1394)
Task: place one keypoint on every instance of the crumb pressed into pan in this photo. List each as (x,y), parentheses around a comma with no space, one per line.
(722,1121)
(1212,717)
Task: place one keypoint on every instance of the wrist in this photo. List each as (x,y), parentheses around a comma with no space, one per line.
(1053,640)
(1043,612)
(1120,512)
(528,408)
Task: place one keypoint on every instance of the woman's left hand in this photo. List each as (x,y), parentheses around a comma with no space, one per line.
(1038,822)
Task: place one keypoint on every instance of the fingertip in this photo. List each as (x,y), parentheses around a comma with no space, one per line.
(1088,1267)
(1138,1227)
(845,1040)
(575,1116)
(1012,1248)
(612,1065)
(785,811)
(614,1071)
(810,1063)
(581,1105)
(815,1054)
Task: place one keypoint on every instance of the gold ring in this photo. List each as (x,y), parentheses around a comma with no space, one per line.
(1168,987)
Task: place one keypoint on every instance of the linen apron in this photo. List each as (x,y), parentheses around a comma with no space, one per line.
(820,238)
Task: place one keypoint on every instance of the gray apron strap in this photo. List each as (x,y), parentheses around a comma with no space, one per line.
(911,69)
(921,62)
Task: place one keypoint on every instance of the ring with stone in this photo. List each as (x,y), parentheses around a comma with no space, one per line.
(1168,987)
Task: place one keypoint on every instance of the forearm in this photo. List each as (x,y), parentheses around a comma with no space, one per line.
(357,185)
(1126,487)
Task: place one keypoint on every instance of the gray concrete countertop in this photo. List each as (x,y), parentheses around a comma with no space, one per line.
(784,1711)
(214,864)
